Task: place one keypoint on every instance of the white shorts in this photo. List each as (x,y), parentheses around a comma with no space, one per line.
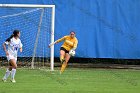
(9,57)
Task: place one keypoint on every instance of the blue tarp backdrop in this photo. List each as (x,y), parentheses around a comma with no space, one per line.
(104,28)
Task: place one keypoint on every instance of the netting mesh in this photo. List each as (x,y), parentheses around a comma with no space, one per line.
(35,33)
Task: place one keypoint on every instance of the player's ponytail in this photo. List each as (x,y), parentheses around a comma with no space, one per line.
(15,33)
(8,39)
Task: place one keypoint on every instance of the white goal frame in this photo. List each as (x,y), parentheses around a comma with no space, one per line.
(52,24)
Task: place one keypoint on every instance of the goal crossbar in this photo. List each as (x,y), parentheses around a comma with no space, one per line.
(25,5)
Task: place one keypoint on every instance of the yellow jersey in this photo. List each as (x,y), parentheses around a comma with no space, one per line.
(69,42)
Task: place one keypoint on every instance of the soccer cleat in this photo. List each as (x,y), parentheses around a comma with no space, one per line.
(4,80)
(13,81)
(60,72)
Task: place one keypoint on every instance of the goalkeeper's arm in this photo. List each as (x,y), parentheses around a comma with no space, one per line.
(57,41)
(75,45)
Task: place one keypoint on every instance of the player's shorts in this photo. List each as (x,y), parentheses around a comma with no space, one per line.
(9,57)
(66,51)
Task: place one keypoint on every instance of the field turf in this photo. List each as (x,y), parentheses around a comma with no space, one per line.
(73,80)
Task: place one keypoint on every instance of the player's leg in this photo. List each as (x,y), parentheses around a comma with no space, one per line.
(13,72)
(8,71)
(67,57)
(62,55)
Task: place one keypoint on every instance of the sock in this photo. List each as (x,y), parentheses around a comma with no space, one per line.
(61,58)
(63,67)
(13,72)
(7,74)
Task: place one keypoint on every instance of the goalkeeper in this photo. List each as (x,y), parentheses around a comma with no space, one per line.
(70,43)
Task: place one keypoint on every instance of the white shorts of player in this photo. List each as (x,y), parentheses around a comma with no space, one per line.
(9,57)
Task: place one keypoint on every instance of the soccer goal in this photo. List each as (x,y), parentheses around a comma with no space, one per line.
(36,24)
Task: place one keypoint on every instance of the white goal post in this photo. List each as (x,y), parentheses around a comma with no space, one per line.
(52,26)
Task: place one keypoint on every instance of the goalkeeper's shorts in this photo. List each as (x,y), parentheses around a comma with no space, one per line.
(66,51)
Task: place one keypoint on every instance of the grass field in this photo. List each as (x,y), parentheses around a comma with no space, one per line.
(73,80)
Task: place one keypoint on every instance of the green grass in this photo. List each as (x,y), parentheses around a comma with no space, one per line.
(73,80)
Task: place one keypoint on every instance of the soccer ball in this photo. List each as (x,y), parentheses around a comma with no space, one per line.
(72,53)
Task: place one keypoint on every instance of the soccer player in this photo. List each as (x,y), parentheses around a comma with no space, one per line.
(70,43)
(13,43)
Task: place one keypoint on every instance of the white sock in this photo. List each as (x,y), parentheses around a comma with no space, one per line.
(13,72)
(7,74)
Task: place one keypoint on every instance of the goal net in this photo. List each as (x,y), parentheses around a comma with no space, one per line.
(36,24)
